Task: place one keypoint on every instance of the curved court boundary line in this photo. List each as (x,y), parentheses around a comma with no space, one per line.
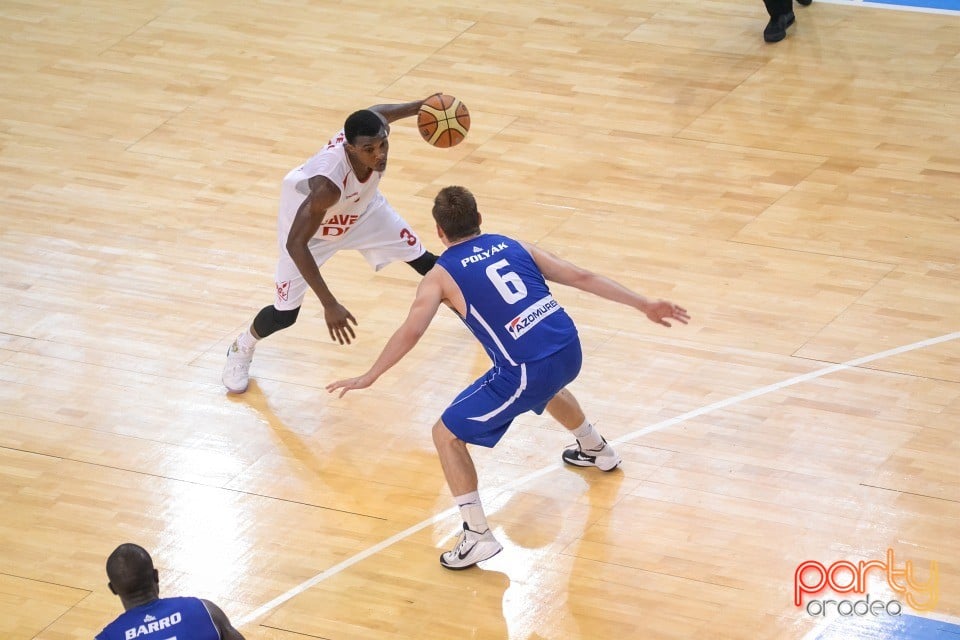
(721,404)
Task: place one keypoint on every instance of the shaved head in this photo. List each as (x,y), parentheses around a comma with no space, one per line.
(130,570)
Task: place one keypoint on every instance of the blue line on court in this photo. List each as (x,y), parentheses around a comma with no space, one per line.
(947,5)
(903,627)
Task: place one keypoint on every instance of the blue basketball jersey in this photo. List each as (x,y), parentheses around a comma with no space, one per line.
(509,307)
(163,619)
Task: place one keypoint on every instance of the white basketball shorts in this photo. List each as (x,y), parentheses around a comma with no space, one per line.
(380,235)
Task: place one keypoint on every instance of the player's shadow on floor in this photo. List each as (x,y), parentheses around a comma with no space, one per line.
(295,445)
(331,471)
(544,526)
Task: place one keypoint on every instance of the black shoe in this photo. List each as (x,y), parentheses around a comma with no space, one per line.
(777,27)
(805,3)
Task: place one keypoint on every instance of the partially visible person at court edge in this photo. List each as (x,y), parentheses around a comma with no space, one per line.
(781,17)
(146,615)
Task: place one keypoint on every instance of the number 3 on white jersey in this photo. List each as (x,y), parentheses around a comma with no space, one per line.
(508,284)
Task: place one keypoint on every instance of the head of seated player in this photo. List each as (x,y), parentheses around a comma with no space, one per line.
(132,574)
(456,214)
(366,144)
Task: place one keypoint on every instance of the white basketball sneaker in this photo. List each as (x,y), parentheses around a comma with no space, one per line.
(604,458)
(472,548)
(236,373)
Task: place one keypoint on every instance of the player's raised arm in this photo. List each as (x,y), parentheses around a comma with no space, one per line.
(394,112)
(561,271)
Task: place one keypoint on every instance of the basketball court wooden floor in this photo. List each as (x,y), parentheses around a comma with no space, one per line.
(800,199)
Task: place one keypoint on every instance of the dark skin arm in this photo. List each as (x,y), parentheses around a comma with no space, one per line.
(323,195)
(394,112)
(227,632)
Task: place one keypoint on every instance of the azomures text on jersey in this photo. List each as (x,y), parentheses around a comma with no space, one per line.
(531,316)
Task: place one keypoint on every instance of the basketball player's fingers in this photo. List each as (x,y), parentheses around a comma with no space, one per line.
(342,387)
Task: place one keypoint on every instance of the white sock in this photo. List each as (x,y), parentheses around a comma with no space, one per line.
(246,341)
(472,511)
(588,437)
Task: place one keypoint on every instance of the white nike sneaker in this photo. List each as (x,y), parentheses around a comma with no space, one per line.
(236,373)
(604,458)
(472,548)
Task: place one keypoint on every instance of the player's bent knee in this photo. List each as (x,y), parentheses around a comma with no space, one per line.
(270,320)
(442,436)
(424,263)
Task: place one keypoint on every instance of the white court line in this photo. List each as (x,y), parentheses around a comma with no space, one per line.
(819,373)
(380,546)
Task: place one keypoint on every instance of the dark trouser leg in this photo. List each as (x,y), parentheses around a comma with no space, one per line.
(778,7)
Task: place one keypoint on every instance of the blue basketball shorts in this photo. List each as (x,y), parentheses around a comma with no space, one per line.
(483,411)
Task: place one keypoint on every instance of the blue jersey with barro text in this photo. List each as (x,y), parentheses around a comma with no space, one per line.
(163,619)
(509,307)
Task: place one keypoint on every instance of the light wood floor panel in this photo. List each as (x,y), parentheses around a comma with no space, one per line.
(27,606)
(600,80)
(628,172)
(61,506)
(846,221)
(800,199)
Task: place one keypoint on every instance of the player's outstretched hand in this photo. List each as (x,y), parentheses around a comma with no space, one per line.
(338,322)
(661,310)
(360,382)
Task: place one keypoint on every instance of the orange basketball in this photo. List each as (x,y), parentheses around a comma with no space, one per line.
(443,120)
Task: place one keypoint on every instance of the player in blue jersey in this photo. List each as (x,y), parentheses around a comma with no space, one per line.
(498,287)
(147,616)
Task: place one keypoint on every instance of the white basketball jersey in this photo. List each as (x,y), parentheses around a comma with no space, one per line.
(356,197)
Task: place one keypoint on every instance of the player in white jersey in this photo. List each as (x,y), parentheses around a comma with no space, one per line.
(330,203)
